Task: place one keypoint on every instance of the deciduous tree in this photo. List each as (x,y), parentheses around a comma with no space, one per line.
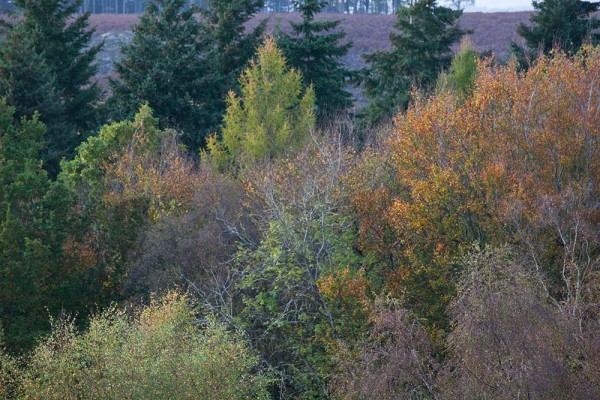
(519,154)
(272,117)
(291,278)
(160,352)
(508,339)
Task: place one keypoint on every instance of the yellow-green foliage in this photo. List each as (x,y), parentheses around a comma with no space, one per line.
(272,117)
(3,368)
(160,353)
(461,79)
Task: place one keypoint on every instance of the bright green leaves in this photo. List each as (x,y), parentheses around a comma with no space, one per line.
(460,80)
(159,353)
(272,117)
(89,165)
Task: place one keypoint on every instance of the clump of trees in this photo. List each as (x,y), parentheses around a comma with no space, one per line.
(158,351)
(454,255)
(564,25)
(184,68)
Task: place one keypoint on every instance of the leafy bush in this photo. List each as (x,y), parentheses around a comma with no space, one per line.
(159,353)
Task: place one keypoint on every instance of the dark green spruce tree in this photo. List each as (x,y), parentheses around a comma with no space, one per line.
(184,68)
(165,66)
(315,51)
(53,43)
(564,24)
(231,48)
(34,219)
(28,85)
(421,50)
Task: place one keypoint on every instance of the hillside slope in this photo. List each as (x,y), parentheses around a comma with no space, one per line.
(491,31)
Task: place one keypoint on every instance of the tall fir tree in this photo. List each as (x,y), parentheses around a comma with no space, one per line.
(421,50)
(52,35)
(34,219)
(183,68)
(27,84)
(224,22)
(165,66)
(564,24)
(230,48)
(315,51)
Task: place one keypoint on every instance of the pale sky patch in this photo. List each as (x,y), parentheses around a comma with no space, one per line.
(501,5)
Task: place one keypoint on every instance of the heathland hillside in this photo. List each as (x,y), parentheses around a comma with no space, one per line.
(368,32)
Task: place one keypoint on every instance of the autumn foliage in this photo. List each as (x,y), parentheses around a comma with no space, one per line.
(455,254)
(517,161)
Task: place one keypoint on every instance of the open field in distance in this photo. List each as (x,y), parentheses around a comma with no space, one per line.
(368,32)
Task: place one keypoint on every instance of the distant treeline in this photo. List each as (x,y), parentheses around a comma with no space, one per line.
(336,6)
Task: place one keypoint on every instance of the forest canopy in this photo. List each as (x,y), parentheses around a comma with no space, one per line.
(450,251)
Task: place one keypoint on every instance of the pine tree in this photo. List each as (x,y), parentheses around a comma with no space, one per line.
(224,22)
(165,66)
(27,83)
(272,117)
(34,218)
(316,54)
(561,23)
(184,68)
(420,51)
(61,39)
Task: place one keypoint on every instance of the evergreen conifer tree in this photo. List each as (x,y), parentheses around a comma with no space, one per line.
(165,66)
(184,68)
(561,23)
(420,51)
(27,84)
(316,53)
(224,24)
(34,218)
(58,63)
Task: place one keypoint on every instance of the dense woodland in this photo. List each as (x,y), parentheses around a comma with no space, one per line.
(220,221)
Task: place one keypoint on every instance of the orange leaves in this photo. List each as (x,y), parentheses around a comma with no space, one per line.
(518,161)
(344,286)
(79,254)
(518,136)
(168,178)
(372,210)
